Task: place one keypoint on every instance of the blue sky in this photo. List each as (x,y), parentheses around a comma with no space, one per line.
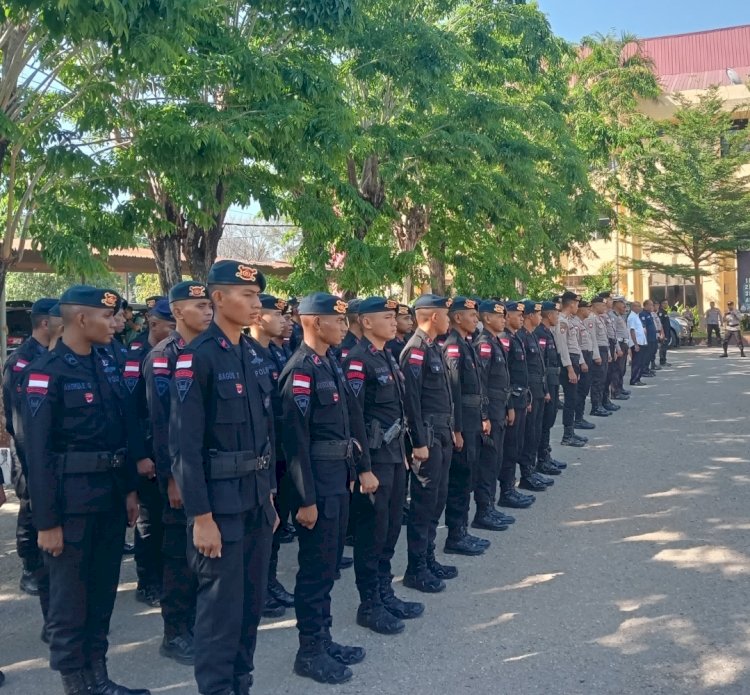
(574,19)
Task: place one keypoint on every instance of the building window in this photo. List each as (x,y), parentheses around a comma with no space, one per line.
(674,290)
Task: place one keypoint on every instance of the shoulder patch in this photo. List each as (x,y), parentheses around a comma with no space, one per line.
(20,365)
(485,351)
(184,375)
(301,384)
(37,388)
(416,356)
(453,352)
(505,342)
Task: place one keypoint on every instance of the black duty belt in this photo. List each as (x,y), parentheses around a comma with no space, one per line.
(80,462)
(332,450)
(225,465)
(440,420)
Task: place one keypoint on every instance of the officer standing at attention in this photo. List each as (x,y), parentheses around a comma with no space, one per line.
(82,482)
(470,422)
(617,314)
(3,500)
(636,343)
(404,328)
(224,467)
(354,334)
(733,324)
(515,356)
(377,382)
(192,312)
(538,395)
(713,321)
(601,360)
(14,370)
(295,339)
(54,325)
(493,373)
(271,364)
(149,530)
(649,326)
(326,449)
(429,418)
(545,335)
(663,314)
(586,338)
(571,363)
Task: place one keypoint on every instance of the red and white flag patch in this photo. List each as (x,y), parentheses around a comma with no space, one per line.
(132,370)
(301,384)
(160,364)
(505,342)
(20,365)
(38,383)
(453,352)
(485,350)
(416,357)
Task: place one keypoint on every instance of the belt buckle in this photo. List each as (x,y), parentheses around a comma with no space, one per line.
(264,462)
(117,461)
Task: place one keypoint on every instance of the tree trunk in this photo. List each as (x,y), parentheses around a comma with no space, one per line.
(437,273)
(202,243)
(698,280)
(409,229)
(167,250)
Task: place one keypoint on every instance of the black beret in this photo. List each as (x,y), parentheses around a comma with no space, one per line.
(598,299)
(188,290)
(374,305)
(162,311)
(54,311)
(605,295)
(550,306)
(268,301)
(463,303)
(151,301)
(531,306)
(583,304)
(492,307)
(432,301)
(235,273)
(516,305)
(404,310)
(567,296)
(352,306)
(292,302)
(322,304)
(42,306)
(86,295)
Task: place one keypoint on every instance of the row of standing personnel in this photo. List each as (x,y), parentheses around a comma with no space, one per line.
(217,432)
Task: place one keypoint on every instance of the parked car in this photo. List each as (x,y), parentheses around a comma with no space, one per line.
(18,320)
(678,331)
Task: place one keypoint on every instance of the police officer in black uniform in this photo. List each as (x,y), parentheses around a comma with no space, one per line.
(515,356)
(82,481)
(192,311)
(224,466)
(404,328)
(149,530)
(354,334)
(429,417)
(15,368)
(493,372)
(326,449)
(471,421)
(374,376)
(548,346)
(531,479)
(295,339)
(273,361)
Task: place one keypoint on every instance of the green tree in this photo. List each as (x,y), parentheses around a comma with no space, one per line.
(688,189)
(601,281)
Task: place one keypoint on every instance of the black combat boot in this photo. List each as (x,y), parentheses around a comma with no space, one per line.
(529,481)
(404,610)
(29,583)
(100,684)
(547,467)
(482,543)
(279,593)
(570,439)
(344,654)
(584,425)
(484,519)
(313,661)
(418,577)
(440,570)
(74,683)
(272,608)
(514,499)
(458,543)
(179,648)
(373,615)
(599,411)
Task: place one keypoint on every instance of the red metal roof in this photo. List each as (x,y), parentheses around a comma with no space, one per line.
(700,60)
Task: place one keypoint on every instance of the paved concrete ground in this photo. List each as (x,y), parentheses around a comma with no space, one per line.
(631,576)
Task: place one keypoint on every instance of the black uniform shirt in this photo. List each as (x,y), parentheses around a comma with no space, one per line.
(220,405)
(534,363)
(468,403)
(396,346)
(343,350)
(427,389)
(546,339)
(493,372)
(515,354)
(13,373)
(378,385)
(319,406)
(73,403)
